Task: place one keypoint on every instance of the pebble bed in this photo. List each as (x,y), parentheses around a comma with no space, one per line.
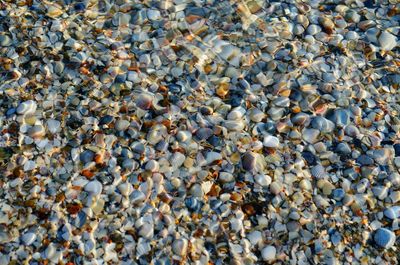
(199,132)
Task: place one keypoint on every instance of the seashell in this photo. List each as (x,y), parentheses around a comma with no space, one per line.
(275,187)
(341,118)
(193,204)
(387,41)
(142,248)
(184,136)
(54,12)
(179,246)
(53,126)
(393,212)
(125,189)
(121,125)
(384,238)
(263,180)
(212,157)
(268,253)
(249,161)
(152,166)
(204,133)
(351,131)
(137,197)
(94,187)
(382,156)
(271,141)
(27,107)
(394,179)
(300,119)
(146,231)
(380,192)
(319,172)
(86,156)
(322,124)
(276,113)
(313,29)
(236,114)
(256,115)
(177,160)
(225,177)
(28,238)
(310,135)
(144,101)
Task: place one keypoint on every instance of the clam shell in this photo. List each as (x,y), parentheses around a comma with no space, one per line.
(319,172)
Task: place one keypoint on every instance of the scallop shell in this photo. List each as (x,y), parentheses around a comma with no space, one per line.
(318,172)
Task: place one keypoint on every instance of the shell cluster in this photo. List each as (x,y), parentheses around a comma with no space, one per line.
(199,132)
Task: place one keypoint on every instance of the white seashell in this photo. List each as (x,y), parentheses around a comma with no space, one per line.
(271,141)
(268,253)
(392,212)
(28,238)
(125,188)
(213,156)
(94,187)
(177,160)
(255,237)
(263,180)
(179,246)
(236,114)
(53,126)
(318,172)
(310,135)
(146,231)
(387,41)
(142,248)
(27,107)
(225,177)
(137,196)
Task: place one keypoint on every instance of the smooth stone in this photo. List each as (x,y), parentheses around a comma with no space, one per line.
(384,238)
(268,253)
(94,187)
(28,238)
